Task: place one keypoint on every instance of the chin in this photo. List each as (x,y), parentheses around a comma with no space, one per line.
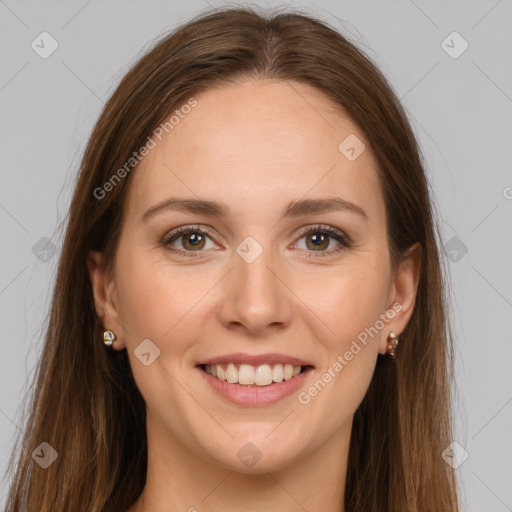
(257,454)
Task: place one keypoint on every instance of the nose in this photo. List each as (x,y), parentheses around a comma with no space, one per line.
(255,296)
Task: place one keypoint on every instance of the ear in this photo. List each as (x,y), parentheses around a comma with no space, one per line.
(403,294)
(105,302)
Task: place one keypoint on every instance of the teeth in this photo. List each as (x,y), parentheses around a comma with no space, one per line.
(264,375)
(277,373)
(231,374)
(249,375)
(246,374)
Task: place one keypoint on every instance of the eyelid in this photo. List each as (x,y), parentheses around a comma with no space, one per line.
(324,228)
(342,238)
(344,241)
(177,232)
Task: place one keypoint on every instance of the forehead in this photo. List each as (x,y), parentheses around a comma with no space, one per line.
(258,144)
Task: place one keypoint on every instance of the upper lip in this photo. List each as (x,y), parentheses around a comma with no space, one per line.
(256,360)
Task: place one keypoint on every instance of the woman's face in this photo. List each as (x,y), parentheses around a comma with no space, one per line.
(254,281)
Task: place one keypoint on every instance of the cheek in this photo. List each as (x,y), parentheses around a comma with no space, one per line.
(352,306)
(157,300)
(347,299)
(159,303)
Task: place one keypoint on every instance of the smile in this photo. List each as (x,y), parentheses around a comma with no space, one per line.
(248,375)
(255,381)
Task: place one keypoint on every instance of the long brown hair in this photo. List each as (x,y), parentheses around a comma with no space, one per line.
(85,403)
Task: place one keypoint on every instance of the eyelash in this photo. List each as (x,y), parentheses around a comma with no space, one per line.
(323,229)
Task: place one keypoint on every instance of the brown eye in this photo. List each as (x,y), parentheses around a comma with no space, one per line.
(186,241)
(318,241)
(192,241)
(319,238)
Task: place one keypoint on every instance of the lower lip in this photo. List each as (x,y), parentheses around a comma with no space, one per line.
(256,396)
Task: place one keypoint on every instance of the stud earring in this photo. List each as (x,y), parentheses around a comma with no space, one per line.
(108,338)
(393,342)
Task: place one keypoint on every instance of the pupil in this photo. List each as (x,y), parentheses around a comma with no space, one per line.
(194,239)
(315,237)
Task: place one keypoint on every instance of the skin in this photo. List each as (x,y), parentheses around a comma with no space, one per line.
(256,146)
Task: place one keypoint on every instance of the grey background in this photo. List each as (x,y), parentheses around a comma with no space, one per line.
(461,112)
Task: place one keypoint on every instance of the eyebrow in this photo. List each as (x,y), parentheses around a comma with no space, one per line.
(219,209)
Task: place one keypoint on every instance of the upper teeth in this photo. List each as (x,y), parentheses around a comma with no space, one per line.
(262,375)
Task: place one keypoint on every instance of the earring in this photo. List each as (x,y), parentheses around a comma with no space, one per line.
(393,342)
(108,338)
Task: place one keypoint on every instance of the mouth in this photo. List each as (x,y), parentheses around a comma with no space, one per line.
(255,381)
(250,375)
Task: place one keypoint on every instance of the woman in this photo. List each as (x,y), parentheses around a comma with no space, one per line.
(249,309)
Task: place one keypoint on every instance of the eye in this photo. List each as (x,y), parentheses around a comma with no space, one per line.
(319,238)
(193,240)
